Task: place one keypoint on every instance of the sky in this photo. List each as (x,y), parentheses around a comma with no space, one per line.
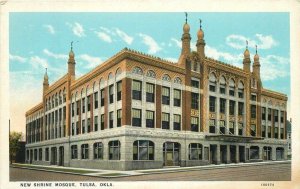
(42,40)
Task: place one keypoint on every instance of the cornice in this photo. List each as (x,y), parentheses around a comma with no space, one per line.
(34,109)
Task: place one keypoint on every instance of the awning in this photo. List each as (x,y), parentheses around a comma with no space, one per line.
(232,138)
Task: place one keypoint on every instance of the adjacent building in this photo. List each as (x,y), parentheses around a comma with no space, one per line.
(137,111)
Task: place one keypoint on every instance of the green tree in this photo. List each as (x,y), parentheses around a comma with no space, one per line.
(14,144)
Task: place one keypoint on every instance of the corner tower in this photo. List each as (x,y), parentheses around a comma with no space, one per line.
(71,63)
(186,43)
(246,61)
(200,42)
(46,82)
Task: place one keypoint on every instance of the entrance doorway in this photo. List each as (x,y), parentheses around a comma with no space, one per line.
(242,154)
(279,153)
(31,156)
(61,156)
(213,154)
(53,156)
(267,153)
(171,154)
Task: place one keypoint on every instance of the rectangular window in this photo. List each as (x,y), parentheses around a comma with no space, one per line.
(102,121)
(77,107)
(111,94)
(222,105)
(83,126)
(231,91)
(47,154)
(195,124)
(119,117)
(222,126)
(95,100)
(150,119)
(73,129)
(177,97)
(263,131)
(40,154)
(222,89)
(241,108)
(74,152)
(195,151)
(166,95)
(281,133)
(195,101)
(72,110)
(263,113)
(269,114)
(111,119)
(96,123)
(276,132)
(98,150)
(253,130)
(136,90)
(240,128)
(83,105)
(143,150)
(177,121)
(102,97)
(231,128)
(212,104)
(77,128)
(281,116)
(114,150)
(195,83)
(89,103)
(212,88)
(231,107)
(165,121)
(84,151)
(149,92)
(253,111)
(136,118)
(88,125)
(269,132)
(253,97)
(276,115)
(241,93)
(119,91)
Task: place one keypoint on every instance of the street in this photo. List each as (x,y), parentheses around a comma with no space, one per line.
(263,172)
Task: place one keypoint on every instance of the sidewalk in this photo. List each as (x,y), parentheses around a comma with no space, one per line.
(115,173)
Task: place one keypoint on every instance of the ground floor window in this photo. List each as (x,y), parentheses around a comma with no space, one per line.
(84,151)
(35,154)
(98,150)
(143,150)
(40,154)
(240,128)
(195,151)
(212,126)
(114,150)
(222,127)
(47,154)
(194,124)
(254,152)
(231,128)
(74,152)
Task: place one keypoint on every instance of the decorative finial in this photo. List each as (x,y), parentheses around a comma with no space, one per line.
(46,70)
(256,49)
(186,15)
(246,44)
(200,24)
(71,45)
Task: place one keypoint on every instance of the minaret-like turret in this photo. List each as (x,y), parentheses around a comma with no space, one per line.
(256,66)
(71,63)
(246,60)
(186,42)
(46,82)
(200,42)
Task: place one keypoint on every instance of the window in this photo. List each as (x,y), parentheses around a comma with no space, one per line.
(96,123)
(149,92)
(166,95)
(269,114)
(241,93)
(114,150)
(83,105)
(77,128)
(88,125)
(276,115)
(195,101)
(84,151)
(83,126)
(263,131)
(222,89)
(47,154)
(119,117)
(177,121)
(136,90)
(40,154)
(253,111)
(73,129)
(231,128)
(212,88)
(98,150)
(111,94)
(77,107)
(281,116)
(73,109)
(166,77)
(95,100)
(151,73)
(74,152)
(195,124)
(282,133)
(212,104)
(195,83)
(165,121)
(136,118)
(102,97)
(222,105)
(253,130)
(241,108)
(231,107)
(177,97)
(150,119)
(143,150)
(119,90)
(269,132)
(195,151)
(89,103)
(253,97)
(102,121)
(111,119)
(240,128)
(276,132)
(222,127)
(263,113)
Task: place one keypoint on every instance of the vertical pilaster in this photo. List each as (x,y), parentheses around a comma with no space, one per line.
(158,106)
(126,101)
(237,154)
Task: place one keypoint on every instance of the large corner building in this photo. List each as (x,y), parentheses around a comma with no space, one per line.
(137,111)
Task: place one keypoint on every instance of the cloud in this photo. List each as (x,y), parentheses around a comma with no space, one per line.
(171,59)
(49,28)
(92,61)
(274,67)
(77,29)
(239,41)
(56,56)
(17,58)
(126,38)
(151,43)
(104,37)
(38,62)
(177,42)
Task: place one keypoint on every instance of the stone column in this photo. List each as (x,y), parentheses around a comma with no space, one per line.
(228,160)
(236,115)
(217,124)
(273,153)
(285,153)
(279,123)
(261,149)
(217,155)
(267,122)
(237,154)
(227,117)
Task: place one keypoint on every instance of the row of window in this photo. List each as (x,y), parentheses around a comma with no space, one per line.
(55,101)
(222,126)
(222,106)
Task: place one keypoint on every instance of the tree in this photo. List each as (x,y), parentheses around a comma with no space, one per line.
(14,144)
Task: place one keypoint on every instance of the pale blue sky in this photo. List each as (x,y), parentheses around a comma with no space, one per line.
(39,40)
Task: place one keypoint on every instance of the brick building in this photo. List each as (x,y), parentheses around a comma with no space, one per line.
(137,111)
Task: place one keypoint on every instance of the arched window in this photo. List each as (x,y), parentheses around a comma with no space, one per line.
(118,72)
(195,151)
(143,150)
(241,89)
(177,80)
(151,73)
(166,77)
(231,87)
(222,85)
(64,95)
(212,82)
(114,150)
(98,150)
(110,76)
(137,70)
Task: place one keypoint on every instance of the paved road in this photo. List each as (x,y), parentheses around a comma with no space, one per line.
(274,172)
